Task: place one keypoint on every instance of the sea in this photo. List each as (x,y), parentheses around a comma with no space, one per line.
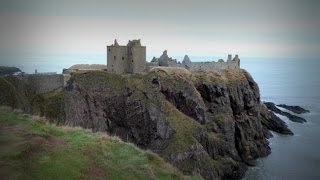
(291,81)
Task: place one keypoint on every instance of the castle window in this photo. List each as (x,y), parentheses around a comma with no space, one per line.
(109,49)
(114,57)
(122,58)
(132,60)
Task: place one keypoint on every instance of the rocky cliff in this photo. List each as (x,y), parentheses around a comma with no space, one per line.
(206,123)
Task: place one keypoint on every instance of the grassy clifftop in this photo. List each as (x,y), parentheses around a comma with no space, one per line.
(34,149)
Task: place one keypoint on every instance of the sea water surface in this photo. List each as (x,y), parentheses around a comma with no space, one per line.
(290,81)
(293,82)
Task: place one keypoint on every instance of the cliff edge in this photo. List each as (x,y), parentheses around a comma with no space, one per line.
(206,123)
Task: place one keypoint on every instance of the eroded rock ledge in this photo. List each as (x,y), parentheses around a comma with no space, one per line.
(295,109)
(272,107)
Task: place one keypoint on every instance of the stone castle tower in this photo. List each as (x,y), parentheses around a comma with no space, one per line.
(126,59)
(233,63)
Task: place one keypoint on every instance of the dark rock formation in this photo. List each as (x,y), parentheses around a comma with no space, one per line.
(271,106)
(206,123)
(183,96)
(274,123)
(295,109)
(8,71)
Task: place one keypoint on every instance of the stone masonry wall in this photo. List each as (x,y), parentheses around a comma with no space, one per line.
(117,59)
(217,66)
(43,83)
(138,61)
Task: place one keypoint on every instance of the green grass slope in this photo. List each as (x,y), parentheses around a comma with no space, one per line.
(35,149)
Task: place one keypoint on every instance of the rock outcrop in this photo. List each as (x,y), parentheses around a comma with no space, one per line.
(8,71)
(273,122)
(295,109)
(206,123)
(272,107)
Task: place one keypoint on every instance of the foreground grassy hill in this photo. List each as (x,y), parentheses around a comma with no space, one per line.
(35,149)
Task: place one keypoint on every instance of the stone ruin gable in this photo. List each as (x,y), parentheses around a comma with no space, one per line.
(126,59)
(186,62)
(164,60)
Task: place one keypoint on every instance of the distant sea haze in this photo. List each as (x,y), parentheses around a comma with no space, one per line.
(282,81)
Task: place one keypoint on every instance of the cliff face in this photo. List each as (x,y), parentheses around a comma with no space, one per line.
(206,123)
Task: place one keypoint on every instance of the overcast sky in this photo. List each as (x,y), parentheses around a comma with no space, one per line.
(264,28)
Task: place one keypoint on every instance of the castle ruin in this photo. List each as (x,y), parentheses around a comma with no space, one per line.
(165,60)
(126,59)
(132,59)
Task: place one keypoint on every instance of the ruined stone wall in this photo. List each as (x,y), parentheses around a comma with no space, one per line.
(217,66)
(165,60)
(203,66)
(43,83)
(117,57)
(173,63)
(152,64)
(208,66)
